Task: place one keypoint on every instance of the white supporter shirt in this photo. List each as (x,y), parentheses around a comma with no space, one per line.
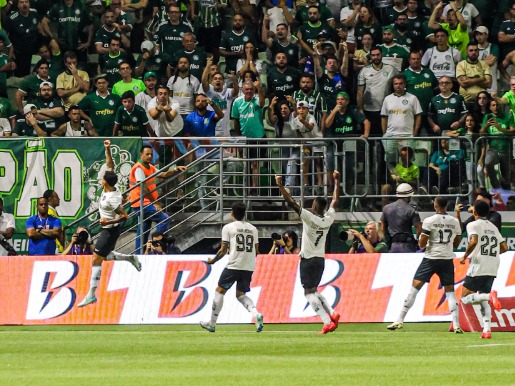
(483,53)
(242,237)
(142,100)
(401,112)
(314,233)
(377,84)
(109,202)
(184,90)
(441,230)
(345,13)
(6,221)
(5,127)
(442,63)
(222,99)
(163,127)
(484,259)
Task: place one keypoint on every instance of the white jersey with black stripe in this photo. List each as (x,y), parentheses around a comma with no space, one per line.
(441,230)
(314,233)
(242,238)
(484,258)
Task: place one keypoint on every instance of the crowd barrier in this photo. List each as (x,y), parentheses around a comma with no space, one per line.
(179,289)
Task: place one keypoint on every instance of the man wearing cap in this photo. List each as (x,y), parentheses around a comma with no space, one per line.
(128,83)
(149,61)
(29,88)
(343,121)
(196,56)
(488,52)
(110,60)
(316,102)
(50,109)
(393,53)
(100,106)
(401,116)
(398,219)
(110,29)
(282,81)
(473,75)
(28,125)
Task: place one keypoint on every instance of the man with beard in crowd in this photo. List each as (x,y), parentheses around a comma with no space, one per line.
(279,42)
(282,80)
(231,45)
(50,108)
(195,55)
(107,31)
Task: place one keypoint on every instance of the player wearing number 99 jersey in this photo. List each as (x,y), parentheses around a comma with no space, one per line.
(315,226)
(240,239)
(440,234)
(485,245)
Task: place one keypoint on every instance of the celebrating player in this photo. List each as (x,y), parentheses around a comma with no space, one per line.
(485,244)
(111,214)
(240,239)
(315,227)
(440,234)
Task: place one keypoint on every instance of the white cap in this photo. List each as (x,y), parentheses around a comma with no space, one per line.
(147,45)
(302,104)
(28,108)
(481,29)
(404,190)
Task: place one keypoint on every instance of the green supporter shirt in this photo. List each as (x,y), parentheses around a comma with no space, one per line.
(290,50)
(500,145)
(408,174)
(156,63)
(458,38)
(209,16)
(284,83)
(23,30)
(104,36)
(135,85)
(4,59)
(30,86)
(396,55)
(250,115)
(324,14)
(421,84)
(132,124)
(169,37)
(6,108)
(109,65)
(197,60)
(508,27)
(101,111)
(348,124)
(54,123)
(310,33)
(70,22)
(233,42)
(330,87)
(446,110)
(55,66)
(511,101)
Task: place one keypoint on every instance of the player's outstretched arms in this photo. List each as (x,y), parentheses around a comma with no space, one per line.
(287,197)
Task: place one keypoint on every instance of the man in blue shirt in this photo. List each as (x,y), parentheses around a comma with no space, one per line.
(42,230)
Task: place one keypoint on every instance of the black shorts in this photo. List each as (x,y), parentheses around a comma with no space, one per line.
(106,241)
(443,268)
(481,284)
(230,276)
(311,271)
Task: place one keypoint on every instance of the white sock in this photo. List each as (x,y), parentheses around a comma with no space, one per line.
(118,256)
(325,303)
(218,303)
(408,303)
(248,304)
(316,304)
(453,307)
(486,311)
(96,272)
(475,298)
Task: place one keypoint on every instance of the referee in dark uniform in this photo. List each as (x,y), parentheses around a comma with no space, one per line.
(398,219)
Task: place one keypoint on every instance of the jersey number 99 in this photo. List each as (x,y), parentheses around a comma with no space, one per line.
(244,243)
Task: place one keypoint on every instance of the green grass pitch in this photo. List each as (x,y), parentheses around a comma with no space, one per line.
(356,354)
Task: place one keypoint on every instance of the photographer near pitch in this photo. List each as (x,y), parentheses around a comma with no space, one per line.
(80,243)
(368,241)
(285,244)
(161,245)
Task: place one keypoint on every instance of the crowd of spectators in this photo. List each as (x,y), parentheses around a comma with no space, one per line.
(372,69)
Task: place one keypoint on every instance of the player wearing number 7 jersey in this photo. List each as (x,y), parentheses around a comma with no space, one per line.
(315,226)
(485,244)
(240,239)
(440,234)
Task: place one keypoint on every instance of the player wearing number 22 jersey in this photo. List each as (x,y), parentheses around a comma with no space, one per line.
(485,245)
(240,239)
(315,226)
(440,234)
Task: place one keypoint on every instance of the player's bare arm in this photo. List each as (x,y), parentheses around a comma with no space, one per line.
(472,244)
(224,248)
(287,197)
(336,192)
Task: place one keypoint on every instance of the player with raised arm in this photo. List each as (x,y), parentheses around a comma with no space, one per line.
(440,234)
(485,245)
(111,214)
(240,240)
(315,226)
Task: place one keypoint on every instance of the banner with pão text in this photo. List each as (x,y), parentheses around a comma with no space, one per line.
(70,166)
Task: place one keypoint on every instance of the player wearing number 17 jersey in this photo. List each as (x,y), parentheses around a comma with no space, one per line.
(485,244)
(240,239)
(440,234)
(315,226)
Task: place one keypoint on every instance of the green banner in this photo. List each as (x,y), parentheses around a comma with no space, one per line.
(70,166)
